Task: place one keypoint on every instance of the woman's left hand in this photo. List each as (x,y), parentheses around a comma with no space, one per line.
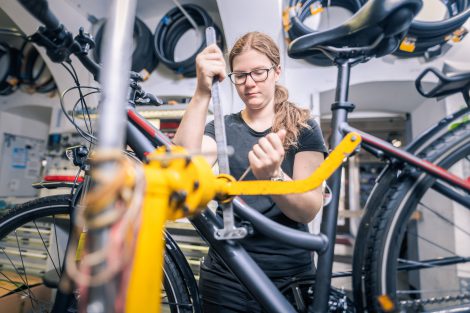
(267,155)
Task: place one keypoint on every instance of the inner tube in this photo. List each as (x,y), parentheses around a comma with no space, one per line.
(427,38)
(144,60)
(172,27)
(35,74)
(10,62)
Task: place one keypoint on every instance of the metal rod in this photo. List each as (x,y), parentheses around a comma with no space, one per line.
(114,79)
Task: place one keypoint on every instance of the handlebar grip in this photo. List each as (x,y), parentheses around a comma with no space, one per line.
(40,10)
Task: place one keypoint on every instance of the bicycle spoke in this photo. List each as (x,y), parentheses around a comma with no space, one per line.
(56,241)
(24,270)
(47,250)
(14,290)
(13,283)
(428,264)
(14,267)
(431,243)
(444,219)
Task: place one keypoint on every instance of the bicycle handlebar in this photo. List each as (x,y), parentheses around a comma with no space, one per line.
(445,86)
(60,44)
(40,10)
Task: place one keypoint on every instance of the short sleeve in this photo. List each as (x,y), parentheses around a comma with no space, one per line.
(209,130)
(311,139)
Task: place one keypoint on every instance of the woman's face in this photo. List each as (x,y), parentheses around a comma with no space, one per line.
(256,95)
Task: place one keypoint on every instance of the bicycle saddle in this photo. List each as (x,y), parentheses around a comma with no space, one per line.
(374,31)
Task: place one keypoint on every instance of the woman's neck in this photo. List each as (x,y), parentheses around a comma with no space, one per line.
(258,120)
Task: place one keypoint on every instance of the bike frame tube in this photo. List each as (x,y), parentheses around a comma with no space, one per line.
(409,158)
(330,212)
(154,134)
(242,265)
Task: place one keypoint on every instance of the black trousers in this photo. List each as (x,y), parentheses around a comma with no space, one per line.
(221,292)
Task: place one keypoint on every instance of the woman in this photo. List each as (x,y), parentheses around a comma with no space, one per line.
(273,137)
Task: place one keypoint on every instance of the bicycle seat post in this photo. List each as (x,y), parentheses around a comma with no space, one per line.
(340,109)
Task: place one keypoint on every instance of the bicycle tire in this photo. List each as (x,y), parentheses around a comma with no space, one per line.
(20,219)
(392,221)
(375,200)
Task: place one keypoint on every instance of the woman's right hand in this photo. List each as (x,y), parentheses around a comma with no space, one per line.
(210,63)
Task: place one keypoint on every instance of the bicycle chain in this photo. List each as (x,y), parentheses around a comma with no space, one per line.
(435,300)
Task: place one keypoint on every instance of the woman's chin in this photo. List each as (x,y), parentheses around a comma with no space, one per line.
(254,104)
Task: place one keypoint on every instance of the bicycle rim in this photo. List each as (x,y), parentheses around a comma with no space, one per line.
(419,253)
(33,238)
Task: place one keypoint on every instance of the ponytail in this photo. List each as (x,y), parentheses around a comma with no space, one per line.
(288,116)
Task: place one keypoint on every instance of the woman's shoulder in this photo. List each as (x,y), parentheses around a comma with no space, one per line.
(311,138)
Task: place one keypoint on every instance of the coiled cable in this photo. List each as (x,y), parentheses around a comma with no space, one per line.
(172,27)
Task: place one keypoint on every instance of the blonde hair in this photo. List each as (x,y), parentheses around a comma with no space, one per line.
(287,114)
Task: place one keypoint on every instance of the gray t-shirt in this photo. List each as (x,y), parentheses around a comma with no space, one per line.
(275,258)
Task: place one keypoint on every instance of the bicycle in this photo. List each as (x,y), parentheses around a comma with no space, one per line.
(405,173)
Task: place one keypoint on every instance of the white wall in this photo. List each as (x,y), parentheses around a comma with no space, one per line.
(237,17)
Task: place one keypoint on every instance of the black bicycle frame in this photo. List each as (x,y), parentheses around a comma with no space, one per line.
(340,108)
(144,137)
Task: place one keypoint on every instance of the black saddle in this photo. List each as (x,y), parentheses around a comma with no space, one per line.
(374,31)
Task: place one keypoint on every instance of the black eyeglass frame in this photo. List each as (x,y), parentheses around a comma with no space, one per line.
(249,73)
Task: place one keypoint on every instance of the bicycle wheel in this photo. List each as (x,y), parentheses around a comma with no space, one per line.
(33,240)
(417,251)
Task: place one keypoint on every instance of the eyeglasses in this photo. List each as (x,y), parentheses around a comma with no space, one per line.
(258,75)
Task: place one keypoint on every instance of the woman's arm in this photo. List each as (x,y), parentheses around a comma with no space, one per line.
(265,161)
(190,133)
(302,207)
